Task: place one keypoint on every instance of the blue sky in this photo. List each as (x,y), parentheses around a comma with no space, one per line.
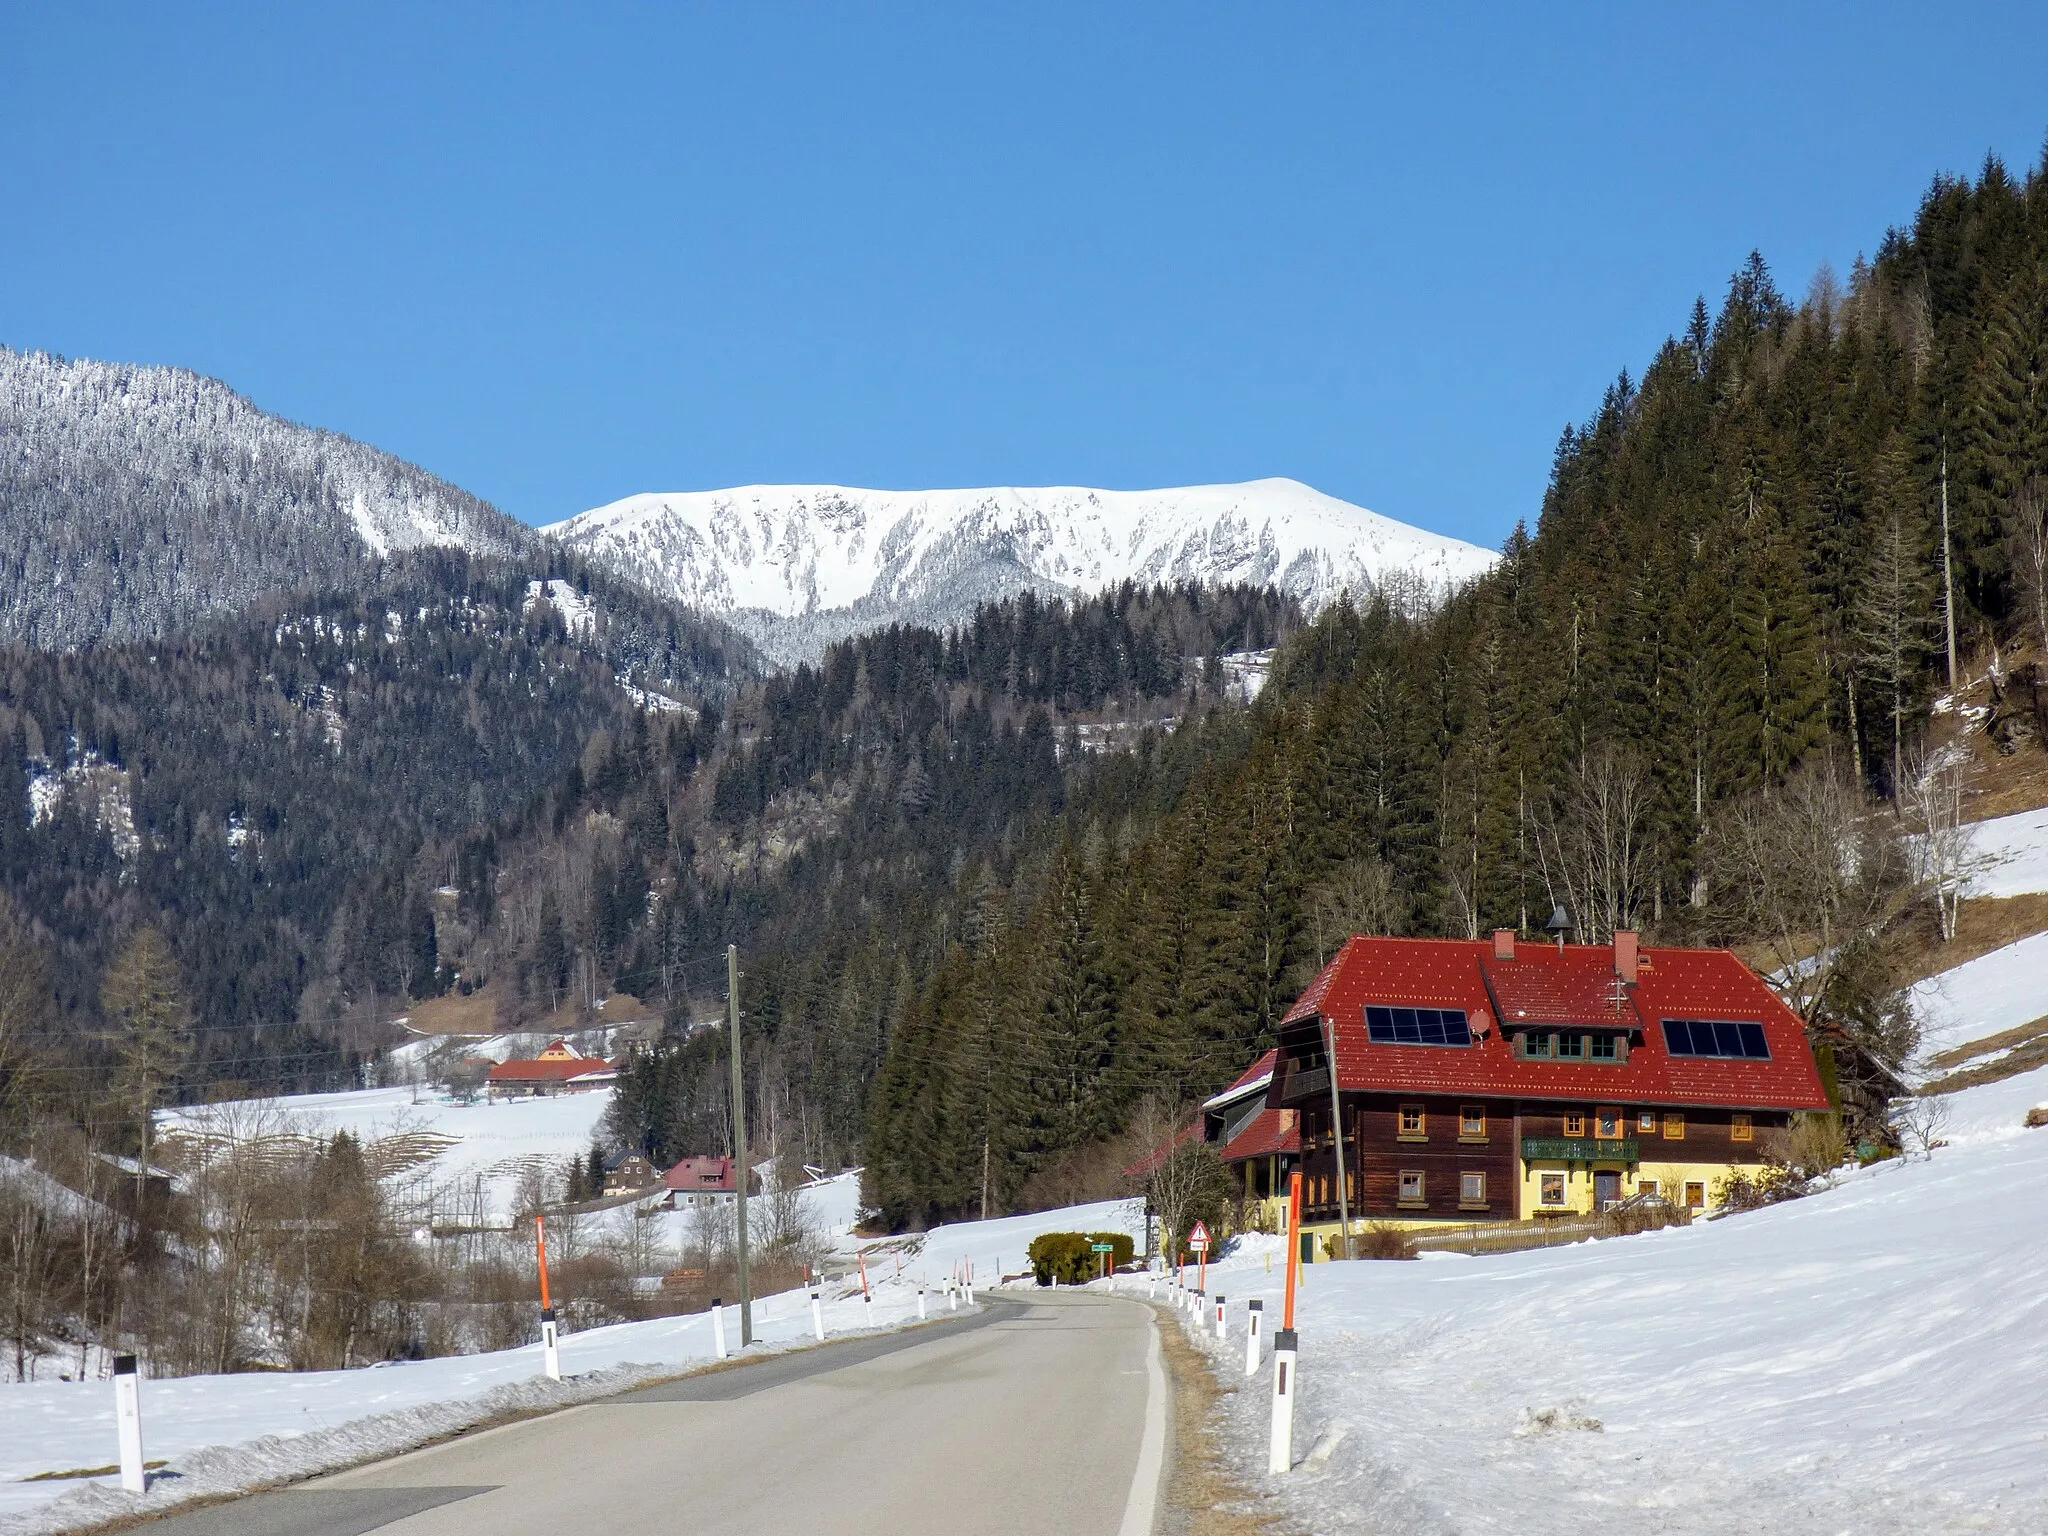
(560,259)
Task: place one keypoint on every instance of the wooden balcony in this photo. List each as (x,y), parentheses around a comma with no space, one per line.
(1578,1149)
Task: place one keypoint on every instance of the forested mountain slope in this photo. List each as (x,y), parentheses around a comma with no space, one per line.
(134,500)
(824,826)
(1735,599)
(279,790)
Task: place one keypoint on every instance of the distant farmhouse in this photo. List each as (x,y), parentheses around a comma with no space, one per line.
(700,1181)
(558,1069)
(1495,1081)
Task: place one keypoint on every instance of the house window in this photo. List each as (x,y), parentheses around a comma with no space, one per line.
(1646,1186)
(1571,1047)
(1741,1128)
(1536,1045)
(1472,1123)
(1472,1191)
(1575,1125)
(1412,1123)
(1608,1126)
(1674,1125)
(1553,1189)
(1411,1187)
(1603,1047)
(1695,1196)
(1647,1120)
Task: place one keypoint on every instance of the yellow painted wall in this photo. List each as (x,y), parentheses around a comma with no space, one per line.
(1671,1176)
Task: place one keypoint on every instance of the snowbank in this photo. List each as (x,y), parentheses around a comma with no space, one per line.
(223,1434)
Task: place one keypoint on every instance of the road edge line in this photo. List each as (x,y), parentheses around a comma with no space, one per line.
(1141,1508)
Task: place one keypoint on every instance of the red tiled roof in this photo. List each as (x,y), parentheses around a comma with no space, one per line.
(560,1070)
(702,1175)
(1270,1131)
(1542,985)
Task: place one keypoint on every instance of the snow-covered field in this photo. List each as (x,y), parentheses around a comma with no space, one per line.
(1869,1360)
(2011,853)
(486,1149)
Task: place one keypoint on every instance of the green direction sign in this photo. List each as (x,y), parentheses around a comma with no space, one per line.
(1104,1247)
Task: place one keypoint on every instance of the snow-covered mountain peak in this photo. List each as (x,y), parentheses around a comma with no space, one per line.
(800,565)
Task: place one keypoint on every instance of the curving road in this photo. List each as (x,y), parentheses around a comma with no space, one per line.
(1039,1415)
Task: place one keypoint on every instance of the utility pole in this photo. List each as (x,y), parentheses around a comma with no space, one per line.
(1337,1134)
(739,1137)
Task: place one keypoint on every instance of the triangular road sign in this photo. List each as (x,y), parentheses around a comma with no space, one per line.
(1199,1238)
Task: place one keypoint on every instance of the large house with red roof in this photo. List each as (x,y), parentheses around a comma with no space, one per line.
(1495,1081)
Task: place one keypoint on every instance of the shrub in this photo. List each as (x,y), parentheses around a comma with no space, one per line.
(1381,1241)
(1070,1257)
(1815,1146)
(1772,1184)
(2037,1117)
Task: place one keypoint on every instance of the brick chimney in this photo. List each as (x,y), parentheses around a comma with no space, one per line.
(1625,955)
(1503,943)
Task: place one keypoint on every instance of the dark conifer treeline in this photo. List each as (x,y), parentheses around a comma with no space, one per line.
(1740,569)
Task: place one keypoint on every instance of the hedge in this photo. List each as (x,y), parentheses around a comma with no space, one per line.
(1071,1259)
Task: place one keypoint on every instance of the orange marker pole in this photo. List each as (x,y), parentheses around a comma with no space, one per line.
(540,1238)
(1293,1243)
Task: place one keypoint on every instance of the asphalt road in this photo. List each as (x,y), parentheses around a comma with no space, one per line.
(1044,1414)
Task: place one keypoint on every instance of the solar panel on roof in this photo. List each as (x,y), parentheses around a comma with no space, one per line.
(1723,1039)
(1417,1026)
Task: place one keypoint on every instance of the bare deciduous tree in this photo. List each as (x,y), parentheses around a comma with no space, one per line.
(1593,842)
(1358,896)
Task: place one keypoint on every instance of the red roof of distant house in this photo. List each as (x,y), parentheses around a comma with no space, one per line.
(1540,985)
(1270,1131)
(701,1175)
(559,1069)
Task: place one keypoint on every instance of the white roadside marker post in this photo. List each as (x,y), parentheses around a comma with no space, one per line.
(1255,1312)
(550,1348)
(718,1327)
(1221,1334)
(1282,1459)
(128,1423)
(920,1303)
(817,1315)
